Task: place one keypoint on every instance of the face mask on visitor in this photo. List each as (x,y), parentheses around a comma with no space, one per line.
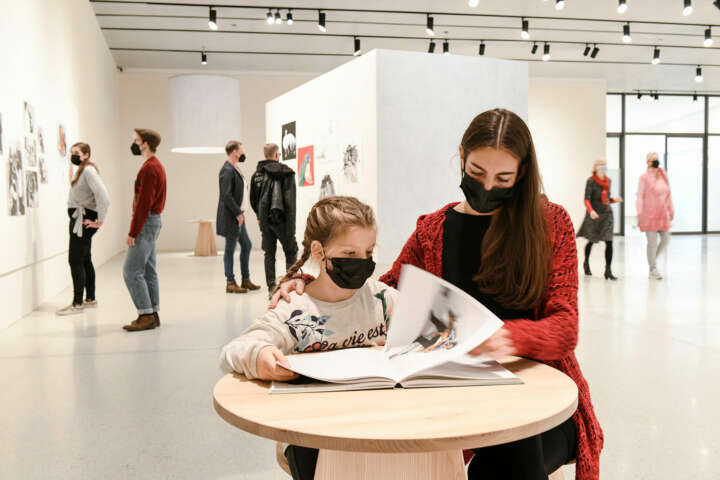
(241,158)
(601,170)
(655,163)
(135,149)
(350,273)
(482,200)
(75,159)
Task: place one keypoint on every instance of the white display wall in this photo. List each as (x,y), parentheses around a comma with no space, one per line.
(386,128)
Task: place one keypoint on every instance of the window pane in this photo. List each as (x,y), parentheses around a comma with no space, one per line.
(666,115)
(612,153)
(613,113)
(636,149)
(713,205)
(714,120)
(685,172)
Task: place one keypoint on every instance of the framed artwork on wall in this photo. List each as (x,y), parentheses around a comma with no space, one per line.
(306,167)
(288,141)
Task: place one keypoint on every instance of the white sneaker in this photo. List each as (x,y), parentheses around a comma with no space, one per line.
(90,304)
(70,310)
(655,275)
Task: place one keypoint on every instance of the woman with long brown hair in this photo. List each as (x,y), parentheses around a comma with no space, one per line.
(513,250)
(88,204)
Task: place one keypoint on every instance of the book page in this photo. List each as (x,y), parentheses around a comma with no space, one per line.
(343,365)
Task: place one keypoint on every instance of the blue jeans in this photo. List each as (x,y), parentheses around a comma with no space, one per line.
(140,269)
(241,237)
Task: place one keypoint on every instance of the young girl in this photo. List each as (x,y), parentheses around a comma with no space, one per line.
(342,308)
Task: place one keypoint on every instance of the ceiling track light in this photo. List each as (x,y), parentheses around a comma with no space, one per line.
(595,51)
(446,47)
(559,4)
(356,51)
(430,25)
(203,58)
(534,48)
(269,18)
(622,6)
(481,49)
(288,17)
(525,32)
(473,3)
(212,19)
(656,56)
(586,52)
(695,97)
(687,7)
(546,52)
(656,96)
(278,18)
(321,21)
(639,95)
(626,33)
(708,37)
(431,47)
(698,74)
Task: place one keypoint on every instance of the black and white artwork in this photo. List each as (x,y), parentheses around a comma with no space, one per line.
(16,183)
(31,179)
(42,168)
(31,151)
(41,140)
(327,187)
(350,163)
(289,142)
(29,118)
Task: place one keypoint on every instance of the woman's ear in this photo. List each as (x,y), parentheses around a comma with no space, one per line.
(316,251)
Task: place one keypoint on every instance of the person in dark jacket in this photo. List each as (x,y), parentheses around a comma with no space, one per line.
(231,219)
(272,198)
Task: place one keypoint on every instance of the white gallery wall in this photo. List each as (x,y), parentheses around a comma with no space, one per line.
(567,122)
(55,59)
(406,113)
(192,187)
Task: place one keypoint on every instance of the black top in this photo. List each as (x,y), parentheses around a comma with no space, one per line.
(231,188)
(461,255)
(593,192)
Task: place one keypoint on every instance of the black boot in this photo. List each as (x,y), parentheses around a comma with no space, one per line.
(608,274)
(586,266)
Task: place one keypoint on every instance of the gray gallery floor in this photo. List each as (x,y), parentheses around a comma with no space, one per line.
(81,398)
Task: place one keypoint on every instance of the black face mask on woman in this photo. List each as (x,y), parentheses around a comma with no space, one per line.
(135,149)
(75,159)
(350,273)
(481,200)
(655,163)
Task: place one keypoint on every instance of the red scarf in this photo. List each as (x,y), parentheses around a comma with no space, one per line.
(605,184)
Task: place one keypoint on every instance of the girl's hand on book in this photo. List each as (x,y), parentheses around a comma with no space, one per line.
(295,284)
(267,365)
(498,345)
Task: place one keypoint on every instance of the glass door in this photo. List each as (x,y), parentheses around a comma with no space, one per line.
(684,163)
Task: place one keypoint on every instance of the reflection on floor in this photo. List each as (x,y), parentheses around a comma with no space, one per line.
(84,399)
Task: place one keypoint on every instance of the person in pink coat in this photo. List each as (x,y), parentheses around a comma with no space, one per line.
(655,210)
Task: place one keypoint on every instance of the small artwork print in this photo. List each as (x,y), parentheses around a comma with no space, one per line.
(1,135)
(31,151)
(327,187)
(288,141)
(61,145)
(16,183)
(31,180)
(29,118)
(42,168)
(306,167)
(350,163)
(41,140)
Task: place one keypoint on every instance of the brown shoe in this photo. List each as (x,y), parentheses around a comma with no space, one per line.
(233,287)
(143,322)
(249,285)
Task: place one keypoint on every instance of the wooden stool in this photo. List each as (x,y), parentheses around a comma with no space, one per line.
(205,244)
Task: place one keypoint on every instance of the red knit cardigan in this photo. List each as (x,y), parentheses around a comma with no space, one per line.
(552,337)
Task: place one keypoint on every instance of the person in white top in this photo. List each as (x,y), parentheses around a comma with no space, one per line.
(342,308)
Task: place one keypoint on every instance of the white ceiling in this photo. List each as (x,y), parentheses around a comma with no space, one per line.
(129,25)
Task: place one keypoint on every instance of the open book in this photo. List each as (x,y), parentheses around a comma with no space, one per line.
(433,327)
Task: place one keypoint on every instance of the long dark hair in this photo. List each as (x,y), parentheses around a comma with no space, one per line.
(516,248)
(85,149)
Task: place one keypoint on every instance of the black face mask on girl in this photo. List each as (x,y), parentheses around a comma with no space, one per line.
(135,149)
(75,159)
(350,273)
(481,200)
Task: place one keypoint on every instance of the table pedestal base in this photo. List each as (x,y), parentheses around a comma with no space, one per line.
(334,464)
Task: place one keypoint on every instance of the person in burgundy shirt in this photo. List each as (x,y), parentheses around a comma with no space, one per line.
(140,269)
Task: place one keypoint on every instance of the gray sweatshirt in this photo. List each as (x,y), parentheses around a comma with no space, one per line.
(90,192)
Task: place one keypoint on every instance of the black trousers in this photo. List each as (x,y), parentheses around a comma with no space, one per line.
(270,237)
(80,259)
(533,458)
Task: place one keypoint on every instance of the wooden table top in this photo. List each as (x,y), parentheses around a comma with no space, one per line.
(403,420)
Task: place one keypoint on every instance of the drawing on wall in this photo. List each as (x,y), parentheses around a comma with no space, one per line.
(1,136)
(31,151)
(61,145)
(327,187)
(350,163)
(41,140)
(32,190)
(288,141)
(306,167)
(42,168)
(16,185)
(29,118)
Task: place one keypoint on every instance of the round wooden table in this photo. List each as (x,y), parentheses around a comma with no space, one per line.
(401,433)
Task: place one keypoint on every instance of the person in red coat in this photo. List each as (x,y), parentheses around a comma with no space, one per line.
(514,251)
